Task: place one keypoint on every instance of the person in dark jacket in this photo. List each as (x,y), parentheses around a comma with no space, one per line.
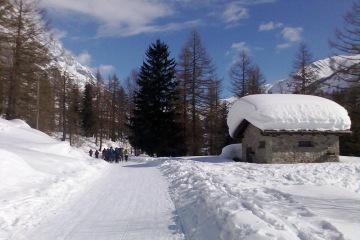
(121,154)
(117,156)
(103,153)
(96,154)
(112,154)
(126,155)
(90,152)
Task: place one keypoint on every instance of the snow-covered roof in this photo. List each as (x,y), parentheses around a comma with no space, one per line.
(288,112)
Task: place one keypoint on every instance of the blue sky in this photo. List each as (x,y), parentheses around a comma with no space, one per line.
(114,34)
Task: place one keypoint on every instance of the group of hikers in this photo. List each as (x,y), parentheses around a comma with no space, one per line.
(111,155)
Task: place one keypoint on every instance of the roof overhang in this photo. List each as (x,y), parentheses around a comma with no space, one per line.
(241,129)
(239,132)
(303,132)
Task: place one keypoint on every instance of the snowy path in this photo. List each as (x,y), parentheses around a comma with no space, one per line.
(131,201)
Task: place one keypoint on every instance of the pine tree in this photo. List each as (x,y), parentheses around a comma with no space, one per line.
(184,79)
(74,113)
(114,86)
(121,113)
(304,73)
(24,29)
(61,83)
(6,10)
(98,109)
(154,125)
(240,75)
(45,104)
(87,111)
(350,144)
(347,46)
(131,87)
(346,68)
(256,81)
(195,74)
(214,120)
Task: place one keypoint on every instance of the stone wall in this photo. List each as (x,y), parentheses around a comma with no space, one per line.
(284,147)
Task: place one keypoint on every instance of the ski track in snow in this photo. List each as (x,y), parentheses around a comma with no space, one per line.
(131,201)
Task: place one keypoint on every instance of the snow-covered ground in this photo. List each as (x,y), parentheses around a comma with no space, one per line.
(227,200)
(130,201)
(50,190)
(38,174)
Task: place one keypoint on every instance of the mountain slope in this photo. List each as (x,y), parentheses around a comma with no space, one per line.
(66,62)
(325,70)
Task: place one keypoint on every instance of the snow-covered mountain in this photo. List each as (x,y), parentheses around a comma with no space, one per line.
(67,63)
(62,59)
(325,70)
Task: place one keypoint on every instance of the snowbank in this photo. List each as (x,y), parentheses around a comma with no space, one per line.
(233,151)
(38,174)
(252,201)
(288,112)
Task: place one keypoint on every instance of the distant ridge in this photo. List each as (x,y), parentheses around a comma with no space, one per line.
(328,82)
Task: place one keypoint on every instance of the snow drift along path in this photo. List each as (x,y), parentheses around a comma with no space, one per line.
(218,200)
(130,201)
(38,174)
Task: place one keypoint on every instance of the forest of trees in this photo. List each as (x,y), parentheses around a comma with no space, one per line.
(49,98)
(168,106)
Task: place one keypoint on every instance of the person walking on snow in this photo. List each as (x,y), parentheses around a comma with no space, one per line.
(112,154)
(96,154)
(126,155)
(103,154)
(90,152)
(117,156)
(121,153)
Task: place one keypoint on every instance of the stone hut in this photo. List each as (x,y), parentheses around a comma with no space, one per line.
(288,128)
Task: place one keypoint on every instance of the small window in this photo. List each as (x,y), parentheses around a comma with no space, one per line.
(307,144)
(262,144)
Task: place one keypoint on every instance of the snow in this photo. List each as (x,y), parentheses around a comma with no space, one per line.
(226,200)
(288,112)
(50,190)
(233,151)
(67,63)
(229,101)
(130,201)
(38,174)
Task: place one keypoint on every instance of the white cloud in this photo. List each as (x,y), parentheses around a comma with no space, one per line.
(234,12)
(240,46)
(270,26)
(235,48)
(106,69)
(292,34)
(121,17)
(283,45)
(132,12)
(58,34)
(253,2)
(124,31)
(84,58)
